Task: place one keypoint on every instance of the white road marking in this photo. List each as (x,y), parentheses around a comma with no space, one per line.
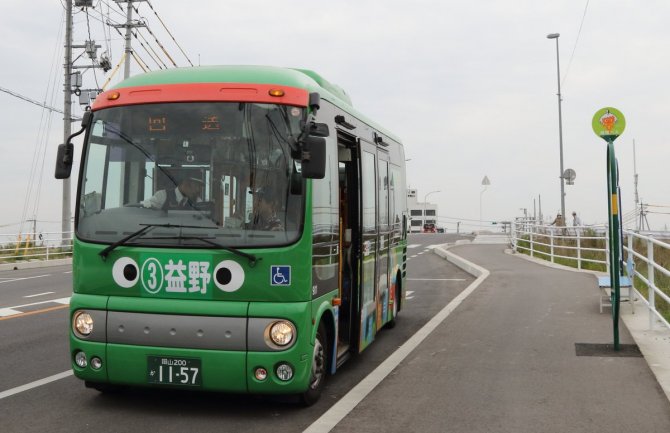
(67,272)
(10,311)
(25,278)
(412,256)
(64,301)
(436,279)
(31,385)
(38,294)
(4,312)
(408,294)
(346,404)
(413,246)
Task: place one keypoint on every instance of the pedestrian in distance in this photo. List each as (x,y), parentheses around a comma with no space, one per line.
(576,223)
(559,221)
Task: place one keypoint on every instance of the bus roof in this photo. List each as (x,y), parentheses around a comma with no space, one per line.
(298,78)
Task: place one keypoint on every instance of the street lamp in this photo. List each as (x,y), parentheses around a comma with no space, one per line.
(485,183)
(425,199)
(560,121)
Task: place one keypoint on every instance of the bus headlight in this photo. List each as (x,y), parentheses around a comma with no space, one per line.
(282,333)
(83,323)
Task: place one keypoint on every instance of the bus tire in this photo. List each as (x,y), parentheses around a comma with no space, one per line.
(319,368)
(396,306)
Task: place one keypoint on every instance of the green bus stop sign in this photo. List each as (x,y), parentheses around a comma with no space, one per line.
(608,123)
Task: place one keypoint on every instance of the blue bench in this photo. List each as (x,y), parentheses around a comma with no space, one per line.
(626,292)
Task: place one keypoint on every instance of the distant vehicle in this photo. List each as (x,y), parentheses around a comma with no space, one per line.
(440,229)
(429,228)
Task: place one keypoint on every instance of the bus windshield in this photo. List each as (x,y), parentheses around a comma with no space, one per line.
(200,172)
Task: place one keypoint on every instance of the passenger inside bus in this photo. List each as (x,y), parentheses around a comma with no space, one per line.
(265,211)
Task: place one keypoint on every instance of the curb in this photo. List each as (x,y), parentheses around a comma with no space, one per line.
(36,264)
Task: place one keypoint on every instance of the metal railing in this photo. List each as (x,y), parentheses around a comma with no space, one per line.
(35,246)
(588,248)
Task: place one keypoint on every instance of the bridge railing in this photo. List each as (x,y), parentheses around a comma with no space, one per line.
(35,246)
(588,248)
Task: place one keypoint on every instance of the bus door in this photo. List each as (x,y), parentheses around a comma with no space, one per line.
(350,235)
(384,241)
(369,245)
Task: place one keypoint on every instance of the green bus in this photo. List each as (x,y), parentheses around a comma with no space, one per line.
(238,228)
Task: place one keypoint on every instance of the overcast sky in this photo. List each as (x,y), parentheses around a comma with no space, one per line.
(470,88)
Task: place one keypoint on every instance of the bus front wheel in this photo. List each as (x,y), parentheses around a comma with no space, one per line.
(319,368)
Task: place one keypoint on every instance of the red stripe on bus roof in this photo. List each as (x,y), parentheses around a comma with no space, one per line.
(202,92)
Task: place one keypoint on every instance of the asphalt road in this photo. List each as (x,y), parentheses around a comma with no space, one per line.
(34,345)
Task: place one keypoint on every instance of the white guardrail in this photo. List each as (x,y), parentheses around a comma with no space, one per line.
(35,246)
(588,248)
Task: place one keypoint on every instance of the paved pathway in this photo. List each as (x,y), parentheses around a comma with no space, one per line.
(505,361)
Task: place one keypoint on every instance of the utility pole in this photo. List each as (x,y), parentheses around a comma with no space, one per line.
(637,198)
(129,25)
(67,114)
(69,67)
(129,49)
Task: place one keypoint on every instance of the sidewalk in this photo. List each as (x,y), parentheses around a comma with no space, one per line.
(654,342)
(506,361)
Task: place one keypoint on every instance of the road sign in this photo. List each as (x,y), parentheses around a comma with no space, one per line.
(569,175)
(608,123)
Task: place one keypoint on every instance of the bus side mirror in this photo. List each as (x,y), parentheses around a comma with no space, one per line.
(65,155)
(313,159)
(64,160)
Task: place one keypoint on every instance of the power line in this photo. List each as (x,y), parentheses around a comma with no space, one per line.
(32,101)
(169,33)
(574,48)
(161,46)
(155,56)
(93,65)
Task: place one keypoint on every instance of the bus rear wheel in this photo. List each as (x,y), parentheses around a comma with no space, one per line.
(319,368)
(396,306)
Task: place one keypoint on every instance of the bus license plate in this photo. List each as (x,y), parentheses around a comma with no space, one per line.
(174,371)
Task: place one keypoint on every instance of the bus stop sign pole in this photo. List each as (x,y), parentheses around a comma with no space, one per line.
(608,123)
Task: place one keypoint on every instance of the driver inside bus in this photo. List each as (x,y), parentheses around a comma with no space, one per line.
(182,197)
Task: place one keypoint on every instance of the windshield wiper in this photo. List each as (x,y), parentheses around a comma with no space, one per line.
(252,258)
(104,253)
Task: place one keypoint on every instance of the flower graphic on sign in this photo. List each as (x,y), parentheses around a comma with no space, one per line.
(608,120)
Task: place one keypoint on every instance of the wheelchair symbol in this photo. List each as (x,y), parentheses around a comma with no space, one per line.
(281,276)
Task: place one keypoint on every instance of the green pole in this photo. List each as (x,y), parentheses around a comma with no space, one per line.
(615,247)
(608,123)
